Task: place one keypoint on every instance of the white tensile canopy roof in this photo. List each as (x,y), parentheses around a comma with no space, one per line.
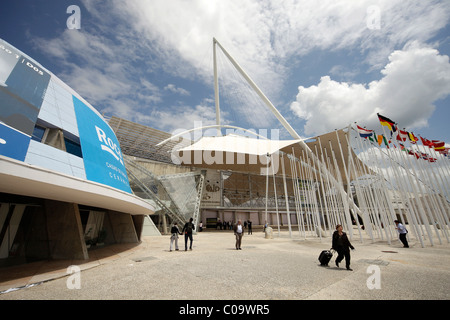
(240,150)
(239,144)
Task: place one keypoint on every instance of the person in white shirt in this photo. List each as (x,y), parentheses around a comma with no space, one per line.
(238,232)
(402,233)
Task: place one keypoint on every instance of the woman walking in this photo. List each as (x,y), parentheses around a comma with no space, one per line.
(174,237)
(342,245)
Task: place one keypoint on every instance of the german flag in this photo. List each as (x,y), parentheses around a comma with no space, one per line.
(387,122)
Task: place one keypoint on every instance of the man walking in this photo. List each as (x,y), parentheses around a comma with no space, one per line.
(401,229)
(188,229)
(238,232)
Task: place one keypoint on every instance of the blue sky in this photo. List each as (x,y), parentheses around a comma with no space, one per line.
(323,64)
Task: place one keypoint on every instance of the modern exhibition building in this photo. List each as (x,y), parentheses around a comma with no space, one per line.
(63,181)
(70,178)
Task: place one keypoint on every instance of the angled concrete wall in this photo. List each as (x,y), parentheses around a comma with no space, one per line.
(65,232)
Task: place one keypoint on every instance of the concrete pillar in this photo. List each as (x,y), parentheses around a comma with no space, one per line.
(164,222)
(65,232)
(138,225)
(122,227)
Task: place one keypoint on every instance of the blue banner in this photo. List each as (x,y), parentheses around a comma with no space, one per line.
(13,143)
(103,160)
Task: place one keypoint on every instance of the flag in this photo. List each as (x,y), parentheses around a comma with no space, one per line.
(426,142)
(403,148)
(438,145)
(381,139)
(373,136)
(364,133)
(387,122)
(424,156)
(412,138)
(402,135)
(445,152)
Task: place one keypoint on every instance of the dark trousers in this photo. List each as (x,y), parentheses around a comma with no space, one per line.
(343,253)
(186,236)
(403,240)
(238,240)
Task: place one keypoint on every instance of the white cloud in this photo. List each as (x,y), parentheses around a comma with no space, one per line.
(412,81)
(184,118)
(263,35)
(174,89)
(127,41)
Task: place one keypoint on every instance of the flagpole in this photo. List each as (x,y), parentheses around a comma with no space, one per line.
(286,198)
(423,203)
(376,203)
(319,204)
(305,170)
(407,180)
(388,200)
(347,179)
(380,199)
(361,201)
(329,197)
(447,205)
(325,202)
(372,207)
(347,172)
(296,199)
(404,188)
(416,188)
(332,194)
(361,194)
(346,213)
(432,199)
(275,196)
(446,182)
(313,196)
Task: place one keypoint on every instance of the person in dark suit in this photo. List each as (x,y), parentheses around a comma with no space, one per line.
(342,246)
(188,229)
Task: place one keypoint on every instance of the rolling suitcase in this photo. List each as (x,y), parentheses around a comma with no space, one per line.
(325,257)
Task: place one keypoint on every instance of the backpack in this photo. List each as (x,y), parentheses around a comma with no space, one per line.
(189,227)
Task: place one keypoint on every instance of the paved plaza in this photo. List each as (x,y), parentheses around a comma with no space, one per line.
(282,268)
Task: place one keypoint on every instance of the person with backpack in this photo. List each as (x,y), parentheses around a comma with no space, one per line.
(187,230)
(174,237)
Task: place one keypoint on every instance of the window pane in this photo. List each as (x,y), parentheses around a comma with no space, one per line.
(73,148)
(38,133)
